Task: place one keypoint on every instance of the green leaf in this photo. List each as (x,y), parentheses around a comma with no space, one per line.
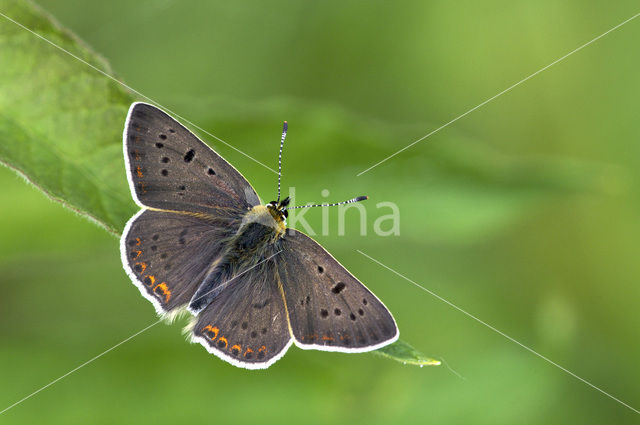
(60,120)
(402,352)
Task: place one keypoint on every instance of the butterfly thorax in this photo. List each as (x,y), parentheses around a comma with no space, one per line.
(261,226)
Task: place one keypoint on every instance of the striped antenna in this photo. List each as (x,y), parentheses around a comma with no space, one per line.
(284,134)
(350,201)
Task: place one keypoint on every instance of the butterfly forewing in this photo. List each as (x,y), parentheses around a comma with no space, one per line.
(246,323)
(167,254)
(329,309)
(170,168)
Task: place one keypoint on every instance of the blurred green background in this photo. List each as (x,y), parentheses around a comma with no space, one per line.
(524,213)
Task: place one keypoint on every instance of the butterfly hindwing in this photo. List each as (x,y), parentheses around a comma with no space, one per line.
(167,254)
(246,323)
(329,309)
(169,168)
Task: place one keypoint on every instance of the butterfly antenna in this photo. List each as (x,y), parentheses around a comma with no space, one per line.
(284,134)
(350,201)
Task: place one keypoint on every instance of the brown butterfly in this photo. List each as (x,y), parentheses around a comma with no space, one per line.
(203,241)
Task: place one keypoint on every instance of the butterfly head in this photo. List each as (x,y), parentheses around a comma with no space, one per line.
(279,209)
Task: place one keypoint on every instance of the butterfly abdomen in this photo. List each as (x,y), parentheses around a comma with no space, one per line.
(251,245)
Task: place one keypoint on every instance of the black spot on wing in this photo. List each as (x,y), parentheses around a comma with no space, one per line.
(188,157)
(338,288)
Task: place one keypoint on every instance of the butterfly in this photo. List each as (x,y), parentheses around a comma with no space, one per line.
(203,241)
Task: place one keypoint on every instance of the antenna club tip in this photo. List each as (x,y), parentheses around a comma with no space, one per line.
(285,126)
(361,198)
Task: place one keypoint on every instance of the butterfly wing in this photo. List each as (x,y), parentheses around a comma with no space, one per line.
(169,168)
(167,254)
(329,309)
(196,200)
(246,323)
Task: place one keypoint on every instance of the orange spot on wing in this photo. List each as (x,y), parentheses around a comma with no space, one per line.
(211,330)
(248,351)
(143,267)
(166,293)
(139,171)
(138,241)
(236,347)
(138,253)
(223,339)
(261,349)
(152,280)
(327,338)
